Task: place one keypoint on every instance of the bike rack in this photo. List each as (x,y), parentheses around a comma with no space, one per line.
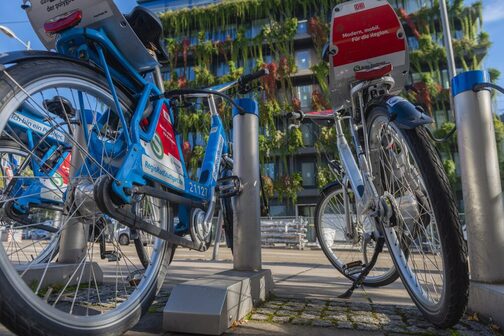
(211,305)
(482,190)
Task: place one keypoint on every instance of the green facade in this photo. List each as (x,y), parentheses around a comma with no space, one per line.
(217,43)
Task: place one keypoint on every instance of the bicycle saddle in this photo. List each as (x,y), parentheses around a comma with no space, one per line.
(149,30)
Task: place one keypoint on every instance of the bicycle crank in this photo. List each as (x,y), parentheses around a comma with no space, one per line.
(122,213)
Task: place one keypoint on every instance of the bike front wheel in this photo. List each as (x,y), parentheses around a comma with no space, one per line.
(94,286)
(423,234)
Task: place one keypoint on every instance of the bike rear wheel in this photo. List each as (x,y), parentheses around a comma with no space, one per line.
(342,247)
(81,302)
(424,234)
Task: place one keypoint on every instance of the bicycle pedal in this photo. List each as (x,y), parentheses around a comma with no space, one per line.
(228,186)
(353,267)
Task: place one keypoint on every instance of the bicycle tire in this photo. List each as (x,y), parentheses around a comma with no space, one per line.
(454,294)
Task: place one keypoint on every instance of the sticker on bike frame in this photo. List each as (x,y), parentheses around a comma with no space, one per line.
(162,159)
(220,145)
(54,187)
(36,126)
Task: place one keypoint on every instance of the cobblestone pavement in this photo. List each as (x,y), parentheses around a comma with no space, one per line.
(341,314)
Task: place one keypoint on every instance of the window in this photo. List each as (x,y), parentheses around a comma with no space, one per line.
(413,43)
(305,94)
(278,210)
(308,131)
(256,28)
(269,168)
(459,34)
(222,69)
(445,79)
(303,59)
(456,158)
(308,173)
(302,27)
(440,117)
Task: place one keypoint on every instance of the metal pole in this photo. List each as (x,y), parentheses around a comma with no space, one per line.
(452,68)
(218,235)
(246,218)
(73,241)
(481,184)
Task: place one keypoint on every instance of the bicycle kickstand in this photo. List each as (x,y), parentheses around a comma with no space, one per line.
(360,279)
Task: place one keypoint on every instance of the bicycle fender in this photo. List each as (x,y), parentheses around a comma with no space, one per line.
(14,57)
(328,186)
(401,111)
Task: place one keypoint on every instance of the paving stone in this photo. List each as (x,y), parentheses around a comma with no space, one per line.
(316,313)
(265,311)
(360,306)
(284,312)
(301,321)
(272,305)
(394,326)
(367,326)
(294,306)
(345,325)
(259,317)
(280,319)
(337,308)
(322,323)
(337,317)
(364,319)
(306,315)
(382,318)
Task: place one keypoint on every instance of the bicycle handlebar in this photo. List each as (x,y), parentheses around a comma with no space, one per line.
(246,79)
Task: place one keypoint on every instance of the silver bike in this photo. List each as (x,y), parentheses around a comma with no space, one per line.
(391,194)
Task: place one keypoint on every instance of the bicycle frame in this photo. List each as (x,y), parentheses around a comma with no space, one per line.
(148,147)
(53,179)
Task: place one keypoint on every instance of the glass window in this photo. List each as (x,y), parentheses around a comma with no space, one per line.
(413,43)
(305,94)
(303,59)
(269,168)
(256,28)
(302,27)
(308,173)
(445,79)
(456,158)
(268,59)
(222,69)
(308,131)
(459,34)
(441,118)
(278,210)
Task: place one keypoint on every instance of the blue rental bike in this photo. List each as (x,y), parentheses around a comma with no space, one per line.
(97,147)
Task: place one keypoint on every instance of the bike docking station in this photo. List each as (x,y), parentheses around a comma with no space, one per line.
(482,190)
(210,305)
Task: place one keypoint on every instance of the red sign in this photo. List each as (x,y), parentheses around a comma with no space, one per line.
(366,34)
(167,134)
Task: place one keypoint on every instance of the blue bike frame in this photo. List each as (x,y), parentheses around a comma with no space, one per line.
(142,144)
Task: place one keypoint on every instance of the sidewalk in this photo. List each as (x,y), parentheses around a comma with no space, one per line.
(305,300)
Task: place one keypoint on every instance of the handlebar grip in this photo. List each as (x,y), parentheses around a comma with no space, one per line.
(245,79)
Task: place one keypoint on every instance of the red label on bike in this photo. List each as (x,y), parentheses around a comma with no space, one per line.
(64,169)
(162,159)
(167,134)
(365,34)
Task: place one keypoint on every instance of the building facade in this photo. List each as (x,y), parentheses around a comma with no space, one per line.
(211,39)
